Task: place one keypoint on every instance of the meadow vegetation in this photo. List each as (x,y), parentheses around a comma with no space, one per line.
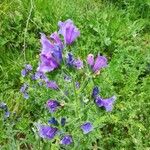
(118,29)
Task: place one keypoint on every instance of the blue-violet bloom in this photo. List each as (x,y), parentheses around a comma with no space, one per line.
(87,127)
(27,69)
(90,59)
(95,92)
(53,105)
(23,72)
(70,59)
(47,132)
(72,62)
(26,95)
(7,114)
(63,121)
(52,85)
(66,140)
(24,88)
(53,121)
(67,78)
(78,64)
(69,31)
(99,63)
(51,54)
(106,103)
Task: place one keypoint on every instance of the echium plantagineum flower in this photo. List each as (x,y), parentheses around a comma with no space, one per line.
(39,75)
(69,31)
(66,140)
(23,90)
(72,62)
(97,64)
(95,92)
(52,105)
(87,127)
(4,107)
(51,53)
(52,85)
(106,103)
(26,70)
(78,63)
(63,121)
(47,132)
(53,121)
(67,78)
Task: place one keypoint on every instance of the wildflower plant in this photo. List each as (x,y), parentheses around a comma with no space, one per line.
(63,95)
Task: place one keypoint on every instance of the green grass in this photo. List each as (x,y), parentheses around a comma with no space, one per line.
(119,29)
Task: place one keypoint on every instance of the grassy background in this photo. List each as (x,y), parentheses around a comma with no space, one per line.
(119,29)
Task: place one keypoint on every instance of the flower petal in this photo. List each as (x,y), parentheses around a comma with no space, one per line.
(100,62)
(90,59)
(87,127)
(66,140)
(69,31)
(52,85)
(106,103)
(78,64)
(47,132)
(52,105)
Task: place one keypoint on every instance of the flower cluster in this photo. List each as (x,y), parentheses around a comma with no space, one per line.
(54,55)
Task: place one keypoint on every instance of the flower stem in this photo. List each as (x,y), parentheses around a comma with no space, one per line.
(77,100)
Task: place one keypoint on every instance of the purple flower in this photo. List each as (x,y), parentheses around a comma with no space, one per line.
(47,64)
(52,45)
(72,62)
(69,31)
(70,59)
(52,85)
(99,63)
(90,59)
(26,95)
(7,114)
(77,84)
(67,78)
(95,92)
(51,54)
(39,75)
(23,72)
(78,64)
(26,70)
(87,127)
(55,37)
(24,88)
(4,107)
(52,105)
(47,132)
(63,121)
(106,103)
(66,140)
(28,67)
(53,121)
